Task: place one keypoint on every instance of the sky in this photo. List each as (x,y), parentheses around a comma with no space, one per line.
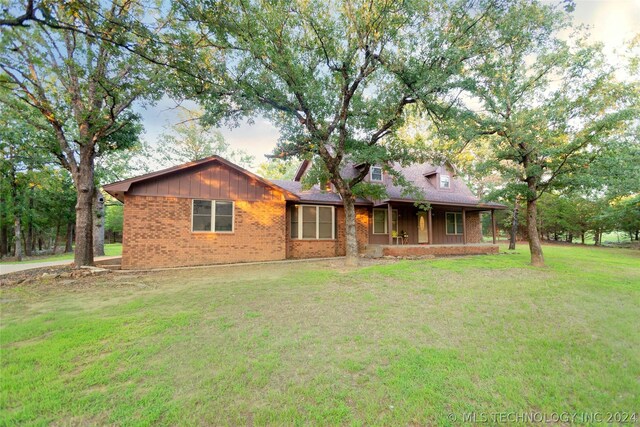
(612,22)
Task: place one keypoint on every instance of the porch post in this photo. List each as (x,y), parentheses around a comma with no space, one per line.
(429,227)
(493,225)
(389,222)
(464,226)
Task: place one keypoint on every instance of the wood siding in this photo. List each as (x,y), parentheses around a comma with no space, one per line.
(210,182)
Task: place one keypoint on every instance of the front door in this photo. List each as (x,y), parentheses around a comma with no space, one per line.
(423,231)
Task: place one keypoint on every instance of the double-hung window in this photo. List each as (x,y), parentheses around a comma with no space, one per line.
(381,223)
(445,181)
(376,174)
(212,216)
(454,223)
(313,222)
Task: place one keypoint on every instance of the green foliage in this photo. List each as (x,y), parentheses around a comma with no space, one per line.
(275,168)
(114,217)
(192,140)
(335,76)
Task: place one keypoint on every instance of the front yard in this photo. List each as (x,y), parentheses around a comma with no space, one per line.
(395,343)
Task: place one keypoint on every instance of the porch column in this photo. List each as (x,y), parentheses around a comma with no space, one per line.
(429,227)
(493,225)
(389,222)
(464,226)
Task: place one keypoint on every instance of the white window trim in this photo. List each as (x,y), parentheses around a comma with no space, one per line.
(333,223)
(386,223)
(381,174)
(448,180)
(446,225)
(213,216)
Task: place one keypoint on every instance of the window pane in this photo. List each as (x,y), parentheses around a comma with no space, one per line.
(379,221)
(394,221)
(224,223)
(325,214)
(201,207)
(309,222)
(325,230)
(376,174)
(309,230)
(224,208)
(294,222)
(309,214)
(451,223)
(325,226)
(459,224)
(444,181)
(202,223)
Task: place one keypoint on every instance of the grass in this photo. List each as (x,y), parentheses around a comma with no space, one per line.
(312,343)
(110,249)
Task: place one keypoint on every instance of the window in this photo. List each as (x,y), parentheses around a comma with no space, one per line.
(380,223)
(212,215)
(376,173)
(313,222)
(445,181)
(454,223)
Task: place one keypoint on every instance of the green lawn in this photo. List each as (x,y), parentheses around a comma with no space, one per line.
(314,343)
(110,249)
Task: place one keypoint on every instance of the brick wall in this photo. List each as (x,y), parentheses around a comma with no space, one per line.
(363,216)
(157,233)
(474,227)
(439,250)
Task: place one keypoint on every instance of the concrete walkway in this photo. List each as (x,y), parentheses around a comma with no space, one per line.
(12,268)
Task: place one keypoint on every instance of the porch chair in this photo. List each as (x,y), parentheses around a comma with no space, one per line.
(399,240)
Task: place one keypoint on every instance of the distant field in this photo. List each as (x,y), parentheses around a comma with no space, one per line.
(390,343)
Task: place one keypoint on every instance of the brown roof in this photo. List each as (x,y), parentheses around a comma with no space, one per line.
(418,173)
(315,194)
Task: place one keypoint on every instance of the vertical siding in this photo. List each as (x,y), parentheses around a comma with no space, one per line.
(212,181)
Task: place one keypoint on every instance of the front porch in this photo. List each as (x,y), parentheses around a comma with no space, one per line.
(395,222)
(378,251)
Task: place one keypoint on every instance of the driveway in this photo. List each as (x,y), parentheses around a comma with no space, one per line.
(12,268)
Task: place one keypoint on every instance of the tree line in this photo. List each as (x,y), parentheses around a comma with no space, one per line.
(375,83)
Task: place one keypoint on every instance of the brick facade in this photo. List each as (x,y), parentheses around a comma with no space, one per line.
(474,227)
(439,250)
(157,233)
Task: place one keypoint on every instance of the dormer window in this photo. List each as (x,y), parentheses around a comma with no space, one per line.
(376,174)
(445,181)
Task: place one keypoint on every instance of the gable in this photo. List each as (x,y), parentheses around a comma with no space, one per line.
(212,180)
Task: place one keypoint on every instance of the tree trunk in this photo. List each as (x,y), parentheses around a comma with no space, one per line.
(350,231)
(55,239)
(570,238)
(68,247)
(637,234)
(535,247)
(514,226)
(98,223)
(28,238)
(582,237)
(84,208)
(596,237)
(4,238)
(18,237)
